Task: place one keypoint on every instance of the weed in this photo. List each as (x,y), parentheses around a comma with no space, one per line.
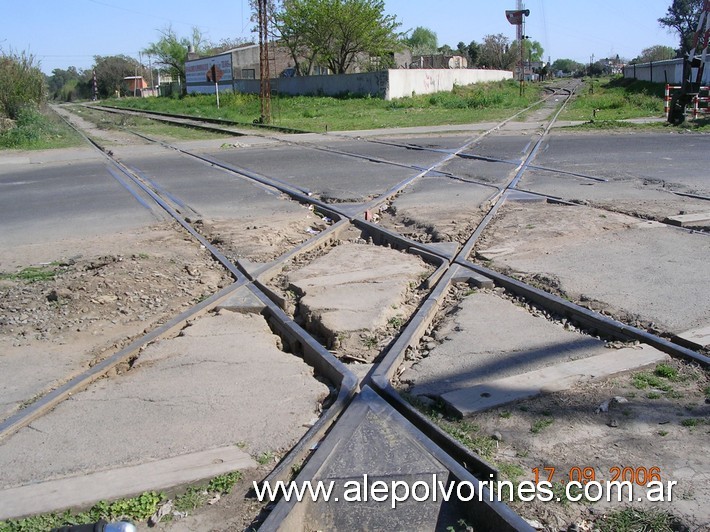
(193,498)
(653,395)
(666,371)
(663,433)
(296,469)
(643,380)
(371,341)
(31,274)
(395,322)
(506,414)
(265,458)
(511,471)
(462,525)
(224,483)
(541,424)
(632,519)
(691,422)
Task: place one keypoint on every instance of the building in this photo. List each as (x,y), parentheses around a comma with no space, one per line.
(135,84)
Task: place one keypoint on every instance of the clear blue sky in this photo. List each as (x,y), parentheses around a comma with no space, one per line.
(70,33)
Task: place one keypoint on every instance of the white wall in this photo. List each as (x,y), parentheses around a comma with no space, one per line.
(403,83)
(387,84)
(670,71)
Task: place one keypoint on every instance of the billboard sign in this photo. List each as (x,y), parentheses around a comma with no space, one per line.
(200,70)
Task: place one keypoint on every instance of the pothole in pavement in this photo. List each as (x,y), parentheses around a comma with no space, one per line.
(353,296)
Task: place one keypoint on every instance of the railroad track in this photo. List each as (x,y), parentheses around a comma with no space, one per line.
(377,394)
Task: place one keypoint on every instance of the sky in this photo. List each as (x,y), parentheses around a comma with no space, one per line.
(62,34)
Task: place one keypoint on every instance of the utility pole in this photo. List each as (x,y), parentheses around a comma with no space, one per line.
(265,77)
(521,36)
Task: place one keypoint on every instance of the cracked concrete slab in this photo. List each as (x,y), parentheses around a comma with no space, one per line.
(223,382)
(488,337)
(355,289)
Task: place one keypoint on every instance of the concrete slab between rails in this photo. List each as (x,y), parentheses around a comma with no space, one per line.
(696,338)
(690,220)
(84,490)
(495,393)
(371,445)
(244,301)
(519,196)
(445,249)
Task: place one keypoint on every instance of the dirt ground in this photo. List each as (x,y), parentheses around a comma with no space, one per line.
(658,423)
(93,298)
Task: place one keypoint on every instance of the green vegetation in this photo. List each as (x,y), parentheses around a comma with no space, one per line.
(635,520)
(138,508)
(265,458)
(21,84)
(33,274)
(146,126)
(645,380)
(462,105)
(692,422)
(22,96)
(666,371)
(35,130)
(616,99)
(541,424)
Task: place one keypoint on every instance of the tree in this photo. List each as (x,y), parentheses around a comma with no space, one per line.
(568,66)
(225,45)
(336,32)
(495,53)
(422,41)
(655,53)
(532,51)
(111,71)
(682,17)
(171,50)
(301,26)
(474,53)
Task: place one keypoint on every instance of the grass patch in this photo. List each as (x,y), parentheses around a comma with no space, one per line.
(265,458)
(35,130)
(138,508)
(33,274)
(692,422)
(633,520)
(666,371)
(616,99)
(540,425)
(151,128)
(462,105)
(644,380)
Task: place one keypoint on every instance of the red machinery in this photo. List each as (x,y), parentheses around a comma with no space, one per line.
(690,89)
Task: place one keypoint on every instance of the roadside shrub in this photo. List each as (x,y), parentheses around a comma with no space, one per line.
(21,83)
